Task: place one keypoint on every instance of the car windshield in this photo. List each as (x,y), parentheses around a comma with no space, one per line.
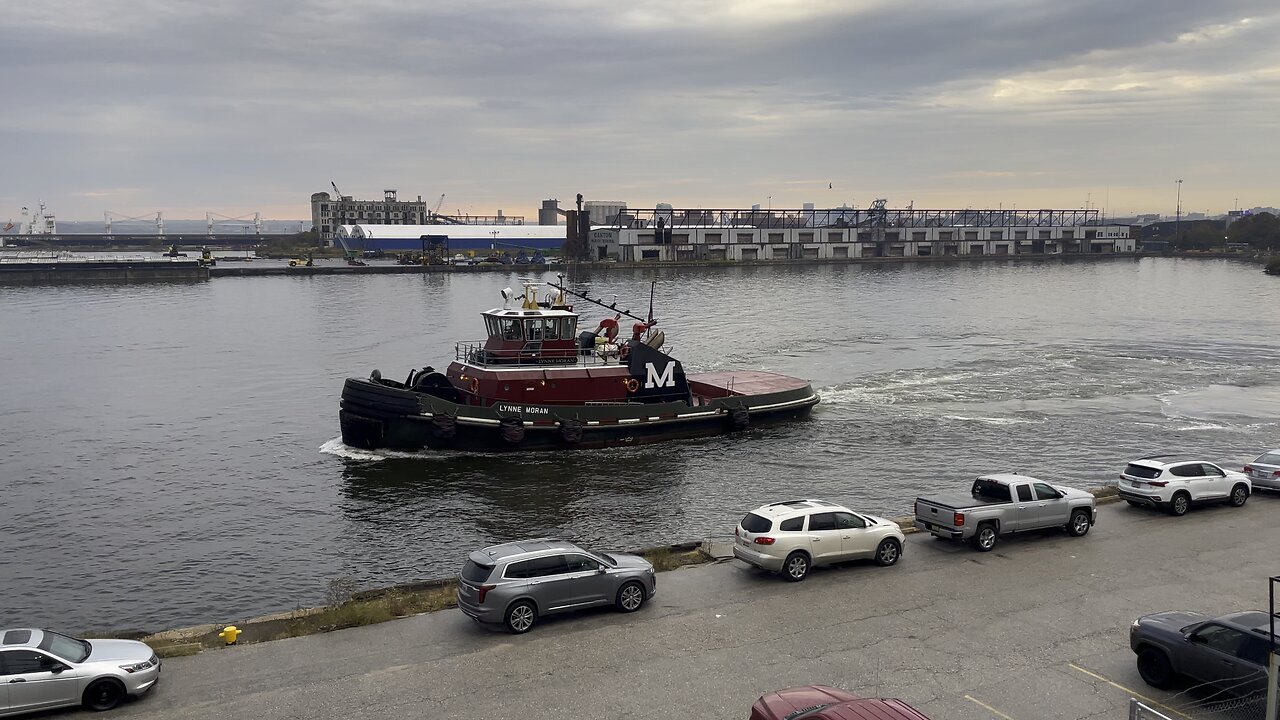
(605,557)
(67,648)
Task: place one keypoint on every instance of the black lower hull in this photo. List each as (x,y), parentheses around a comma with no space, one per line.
(375,417)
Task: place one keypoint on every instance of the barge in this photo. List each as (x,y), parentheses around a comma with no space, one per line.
(537,383)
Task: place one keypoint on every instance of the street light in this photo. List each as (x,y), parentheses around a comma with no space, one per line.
(1177,223)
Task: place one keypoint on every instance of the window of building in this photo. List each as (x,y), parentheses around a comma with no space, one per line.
(1045,235)
(835,236)
(1019,234)
(864,236)
(840,251)
(713,237)
(944,235)
(806,237)
(776,237)
(891,236)
(997,234)
(970,234)
(918,236)
(1068,234)
(745,237)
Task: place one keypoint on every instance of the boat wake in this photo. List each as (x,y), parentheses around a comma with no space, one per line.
(337,447)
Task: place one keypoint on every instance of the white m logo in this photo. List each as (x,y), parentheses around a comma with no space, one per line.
(655,380)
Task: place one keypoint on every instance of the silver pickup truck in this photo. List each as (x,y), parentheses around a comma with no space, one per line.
(1001,504)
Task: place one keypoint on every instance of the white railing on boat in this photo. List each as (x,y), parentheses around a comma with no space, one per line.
(533,355)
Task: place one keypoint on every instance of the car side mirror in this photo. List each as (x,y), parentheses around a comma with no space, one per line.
(56,668)
(602,569)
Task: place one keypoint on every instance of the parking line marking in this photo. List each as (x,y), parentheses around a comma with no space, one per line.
(1143,698)
(978,702)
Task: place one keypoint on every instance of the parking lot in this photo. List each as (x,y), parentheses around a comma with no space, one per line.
(1035,630)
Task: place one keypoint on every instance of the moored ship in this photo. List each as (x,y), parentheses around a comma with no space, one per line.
(539,383)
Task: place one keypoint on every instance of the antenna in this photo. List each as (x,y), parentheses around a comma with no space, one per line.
(653,284)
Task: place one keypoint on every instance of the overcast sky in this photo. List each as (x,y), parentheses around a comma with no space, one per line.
(238,106)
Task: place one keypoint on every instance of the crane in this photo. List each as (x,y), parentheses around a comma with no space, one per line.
(436,210)
(336,190)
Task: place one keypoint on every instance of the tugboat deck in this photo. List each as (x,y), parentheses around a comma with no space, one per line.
(745,382)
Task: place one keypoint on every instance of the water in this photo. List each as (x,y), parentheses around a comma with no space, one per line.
(170,451)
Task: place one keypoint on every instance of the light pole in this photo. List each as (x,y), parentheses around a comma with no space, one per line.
(1177,223)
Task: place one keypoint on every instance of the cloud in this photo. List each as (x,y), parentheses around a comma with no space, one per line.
(254,104)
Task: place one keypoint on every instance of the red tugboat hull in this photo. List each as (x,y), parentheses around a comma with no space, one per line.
(374,415)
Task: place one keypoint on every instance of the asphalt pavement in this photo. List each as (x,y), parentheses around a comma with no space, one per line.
(1035,630)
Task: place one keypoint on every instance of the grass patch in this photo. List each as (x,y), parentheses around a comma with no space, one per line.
(664,559)
(392,604)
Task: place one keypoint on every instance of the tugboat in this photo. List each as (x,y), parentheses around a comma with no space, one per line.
(537,383)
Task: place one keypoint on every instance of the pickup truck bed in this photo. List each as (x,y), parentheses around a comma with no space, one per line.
(960,501)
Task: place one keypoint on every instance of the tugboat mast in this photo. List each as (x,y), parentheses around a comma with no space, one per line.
(610,306)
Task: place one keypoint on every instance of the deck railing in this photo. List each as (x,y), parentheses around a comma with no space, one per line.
(534,355)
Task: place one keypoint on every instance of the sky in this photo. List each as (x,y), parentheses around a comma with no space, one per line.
(244,106)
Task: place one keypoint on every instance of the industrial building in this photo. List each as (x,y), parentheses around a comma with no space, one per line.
(666,234)
(458,238)
(328,212)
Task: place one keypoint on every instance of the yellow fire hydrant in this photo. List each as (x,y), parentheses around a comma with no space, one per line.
(230,633)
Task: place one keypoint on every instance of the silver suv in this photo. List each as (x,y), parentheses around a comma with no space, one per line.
(1174,483)
(791,537)
(517,582)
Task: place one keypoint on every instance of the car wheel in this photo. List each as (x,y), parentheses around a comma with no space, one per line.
(103,694)
(888,552)
(796,567)
(1154,668)
(986,538)
(1239,495)
(1178,507)
(521,616)
(630,597)
(1079,525)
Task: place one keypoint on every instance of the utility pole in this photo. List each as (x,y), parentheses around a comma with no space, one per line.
(1177,223)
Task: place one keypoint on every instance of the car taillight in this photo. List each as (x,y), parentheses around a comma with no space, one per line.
(484,590)
(1158,483)
(916,508)
(763,540)
(958,519)
(1247,468)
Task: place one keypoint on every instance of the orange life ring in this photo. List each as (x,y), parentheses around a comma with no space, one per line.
(631,384)
(624,351)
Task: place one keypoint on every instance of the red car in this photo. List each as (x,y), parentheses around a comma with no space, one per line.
(819,702)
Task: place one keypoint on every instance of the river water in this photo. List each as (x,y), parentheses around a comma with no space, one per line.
(170,455)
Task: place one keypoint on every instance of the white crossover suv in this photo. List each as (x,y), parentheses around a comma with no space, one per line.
(1174,483)
(791,537)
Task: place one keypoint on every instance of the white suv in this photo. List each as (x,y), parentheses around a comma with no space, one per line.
(1174,483)
(791,537)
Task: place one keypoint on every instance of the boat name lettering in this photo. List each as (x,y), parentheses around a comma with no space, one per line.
(524,409)
(654,379)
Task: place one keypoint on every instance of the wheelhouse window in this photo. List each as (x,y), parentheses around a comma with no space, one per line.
(510,328)
(535,329)
(491,325)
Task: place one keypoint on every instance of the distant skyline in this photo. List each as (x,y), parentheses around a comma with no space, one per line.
(252,105)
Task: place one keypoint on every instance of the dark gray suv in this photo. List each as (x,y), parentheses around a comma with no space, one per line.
(516,583)
(1228,652)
